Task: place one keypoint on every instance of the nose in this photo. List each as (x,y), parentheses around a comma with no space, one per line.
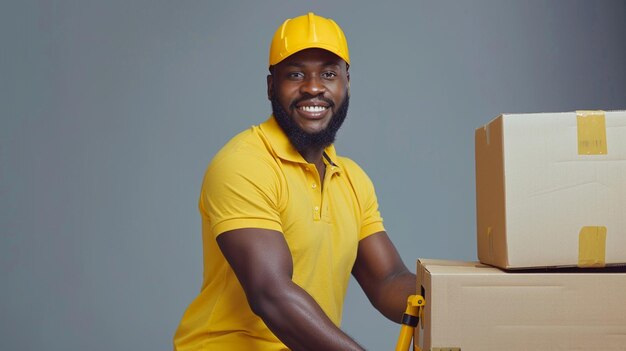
(313,85)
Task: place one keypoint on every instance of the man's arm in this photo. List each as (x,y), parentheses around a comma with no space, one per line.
(383,276)
(262,262)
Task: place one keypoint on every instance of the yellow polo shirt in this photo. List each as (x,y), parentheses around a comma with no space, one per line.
(258,180)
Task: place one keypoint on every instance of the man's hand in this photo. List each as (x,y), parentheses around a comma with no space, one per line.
(262,262)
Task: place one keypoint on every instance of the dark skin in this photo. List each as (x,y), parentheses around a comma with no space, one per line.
(261,258)
(314,73)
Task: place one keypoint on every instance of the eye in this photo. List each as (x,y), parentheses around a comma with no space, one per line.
(295,75)
(329,75)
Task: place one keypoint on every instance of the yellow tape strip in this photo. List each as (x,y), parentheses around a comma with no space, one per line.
(592,247)
(591,133)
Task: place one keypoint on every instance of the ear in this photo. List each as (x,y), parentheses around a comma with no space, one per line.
(348,76)
(270,86)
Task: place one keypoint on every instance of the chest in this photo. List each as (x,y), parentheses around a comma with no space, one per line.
(317,217)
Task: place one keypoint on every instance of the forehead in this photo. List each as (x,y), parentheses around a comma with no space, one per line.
(316,57)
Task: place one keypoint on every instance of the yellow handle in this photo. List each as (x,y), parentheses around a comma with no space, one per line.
(410,319)
(405,337)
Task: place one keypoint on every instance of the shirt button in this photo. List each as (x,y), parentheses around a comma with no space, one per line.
(316,208)
(313,185)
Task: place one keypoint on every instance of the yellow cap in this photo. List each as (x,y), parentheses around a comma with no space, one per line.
(305,32)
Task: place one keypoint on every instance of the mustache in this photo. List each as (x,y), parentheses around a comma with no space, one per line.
(308,97)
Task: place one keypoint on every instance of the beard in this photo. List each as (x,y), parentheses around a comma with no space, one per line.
(302,140)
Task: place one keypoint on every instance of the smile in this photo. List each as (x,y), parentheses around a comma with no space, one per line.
(314,109)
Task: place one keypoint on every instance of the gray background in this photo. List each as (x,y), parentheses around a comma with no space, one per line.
(111,110)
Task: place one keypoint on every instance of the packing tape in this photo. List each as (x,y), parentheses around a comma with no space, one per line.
(592,247)
(591,127)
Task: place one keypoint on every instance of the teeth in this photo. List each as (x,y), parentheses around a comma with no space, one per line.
(313,108)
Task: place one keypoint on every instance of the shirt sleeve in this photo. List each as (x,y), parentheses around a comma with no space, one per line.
(371,220)
(240,190)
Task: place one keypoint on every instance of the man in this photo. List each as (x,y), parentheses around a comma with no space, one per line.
(285,220)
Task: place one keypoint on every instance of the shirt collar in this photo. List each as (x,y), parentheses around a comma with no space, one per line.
(283,148)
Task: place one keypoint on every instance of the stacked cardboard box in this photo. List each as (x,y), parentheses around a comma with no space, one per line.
(551,190)
(471,306)
(551,195)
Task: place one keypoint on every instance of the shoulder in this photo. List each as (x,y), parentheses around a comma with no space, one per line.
(352,169)
(357,177)
(242,172)
(246,153)
(244,166)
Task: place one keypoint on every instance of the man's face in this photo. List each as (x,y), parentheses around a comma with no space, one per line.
(309,94)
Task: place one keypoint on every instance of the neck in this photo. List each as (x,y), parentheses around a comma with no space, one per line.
(313,155)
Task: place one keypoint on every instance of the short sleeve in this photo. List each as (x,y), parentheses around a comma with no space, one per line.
(241,190)
(371,220)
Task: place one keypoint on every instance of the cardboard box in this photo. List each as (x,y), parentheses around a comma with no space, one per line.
(475,307)
(551,190)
